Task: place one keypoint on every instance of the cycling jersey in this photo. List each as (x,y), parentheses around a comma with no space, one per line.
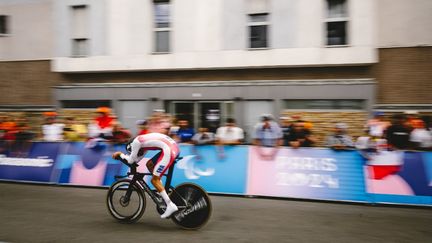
(168,148)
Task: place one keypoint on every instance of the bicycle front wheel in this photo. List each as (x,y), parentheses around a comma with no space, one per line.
(197,204)
(123,206)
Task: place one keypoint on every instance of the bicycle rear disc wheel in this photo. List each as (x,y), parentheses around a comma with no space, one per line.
(126,211)
(198,206)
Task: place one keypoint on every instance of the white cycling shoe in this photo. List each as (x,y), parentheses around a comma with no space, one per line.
(171,208)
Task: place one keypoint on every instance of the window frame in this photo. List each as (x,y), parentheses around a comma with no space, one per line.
(7,25)
(86,51)
(251,23)
(157,29)
(328,19)
(74,37)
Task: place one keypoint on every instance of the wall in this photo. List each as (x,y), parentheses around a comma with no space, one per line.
(27,83)
(32,30)
(96,27)
(404,23)
(404,75)
(212,34)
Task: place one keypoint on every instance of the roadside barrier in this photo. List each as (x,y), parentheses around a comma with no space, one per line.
(306,173)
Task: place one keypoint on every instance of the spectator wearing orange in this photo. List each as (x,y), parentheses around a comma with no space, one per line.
(101,127)
(412,119)
(9,128)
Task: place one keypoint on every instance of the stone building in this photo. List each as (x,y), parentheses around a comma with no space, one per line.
(326,59)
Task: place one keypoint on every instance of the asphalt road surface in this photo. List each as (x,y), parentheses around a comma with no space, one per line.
(38,213)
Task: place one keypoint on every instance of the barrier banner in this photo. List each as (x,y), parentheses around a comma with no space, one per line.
(215,169)
(29,162)
(407,180)
(80,165)
(306,173)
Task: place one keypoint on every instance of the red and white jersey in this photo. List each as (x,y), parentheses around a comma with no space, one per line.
(154,141)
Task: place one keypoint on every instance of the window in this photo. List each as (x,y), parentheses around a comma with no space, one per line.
(337,22)
(79,47)
(325,104)
(162,26)
(4,25)
(258,27)
(208,114)
(79,31)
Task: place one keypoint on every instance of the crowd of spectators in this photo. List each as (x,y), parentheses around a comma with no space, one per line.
(402,131)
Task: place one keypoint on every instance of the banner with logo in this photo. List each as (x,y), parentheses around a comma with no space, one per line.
(78,164)
(400,177)
(29,162)
(306,173)
(216,169)
(310,173)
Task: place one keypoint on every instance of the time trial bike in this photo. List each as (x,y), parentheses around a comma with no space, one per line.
(126,200)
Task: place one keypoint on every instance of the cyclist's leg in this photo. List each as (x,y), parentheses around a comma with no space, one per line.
(164,162)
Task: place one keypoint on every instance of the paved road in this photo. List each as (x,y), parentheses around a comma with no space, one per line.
(37,213)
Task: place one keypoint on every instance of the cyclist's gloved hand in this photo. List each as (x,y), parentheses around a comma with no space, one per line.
(116,155)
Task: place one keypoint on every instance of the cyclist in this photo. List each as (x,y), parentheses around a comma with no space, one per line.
(169,150)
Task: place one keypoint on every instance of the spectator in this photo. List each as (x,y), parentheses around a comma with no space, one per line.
(104,123)
(174,129)
(286,127)
(142,126)
(398,133)
(9,128)
(229,134)
(411,119)
(340,140)
(120,134)
(377,125)
(267,133)
(203,137)
(100,129)
(3,146)
(310,140)
(73,131)
(159,122)
(267,137)
(421,136)
(23,138)
(299,136)
(51,130)
(185,133)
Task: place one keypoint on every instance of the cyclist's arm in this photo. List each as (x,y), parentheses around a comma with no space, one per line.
(133,157)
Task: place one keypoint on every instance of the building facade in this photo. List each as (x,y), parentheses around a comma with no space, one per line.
(236,58)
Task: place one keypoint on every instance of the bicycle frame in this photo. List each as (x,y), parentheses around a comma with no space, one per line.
(138,178)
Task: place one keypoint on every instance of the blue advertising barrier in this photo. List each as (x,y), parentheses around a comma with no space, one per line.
(307,173)
(79,165)
(208,167)
(32,162)
(303,173)
(412,184)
